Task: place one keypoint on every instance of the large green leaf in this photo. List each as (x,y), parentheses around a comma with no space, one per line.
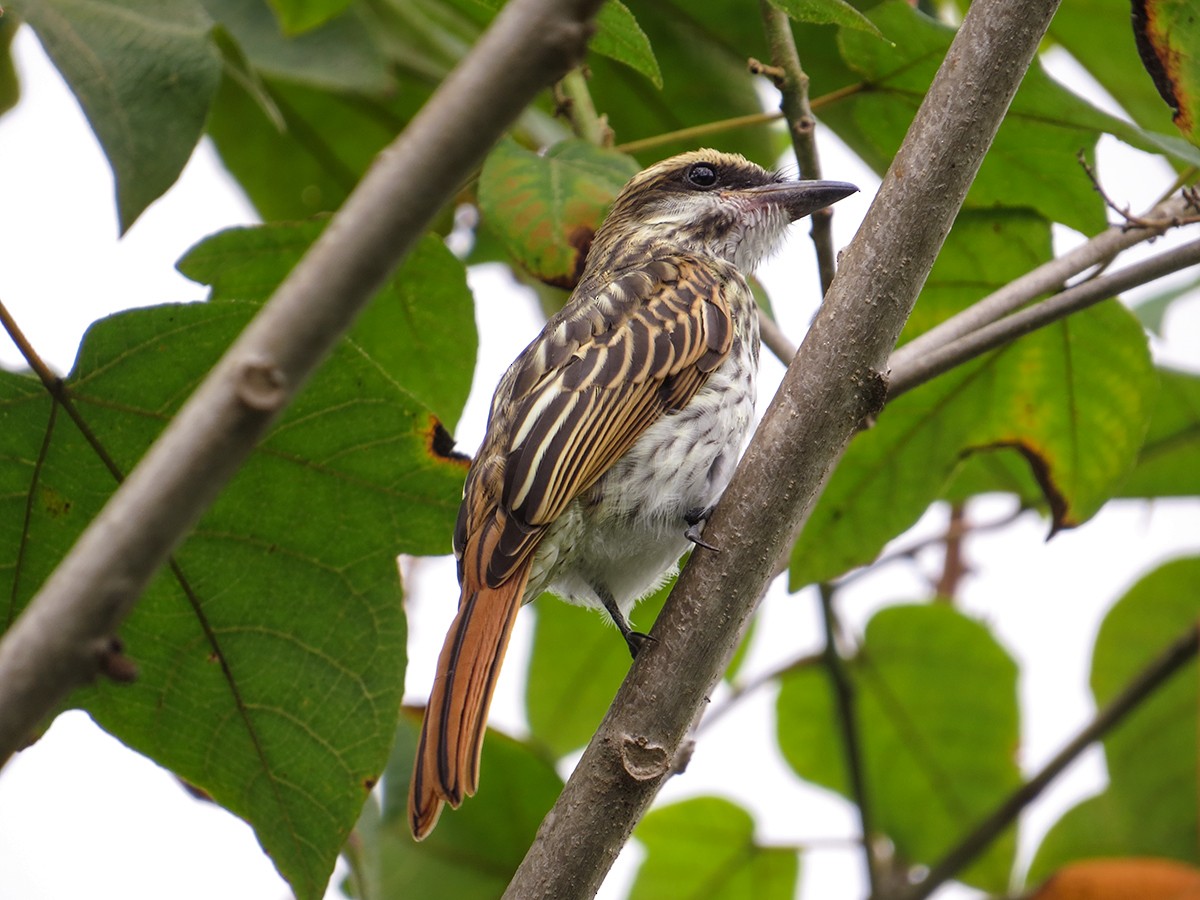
(301,15)
(827,12)
(705,847)
(620,37)
(1032,161)
(714,38)
(547,207)
(474,850)
(1150,807)
(1169,462)
(1098,35)
(342,55)
(936,706)
(271,654)
(144,72)
(419,330)
(1073,398)
(577,664)
(308,160)
(1168,40)
(10,86)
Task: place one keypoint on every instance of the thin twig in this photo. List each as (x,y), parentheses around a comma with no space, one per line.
(699,131)
(1044,279)
(777,342)
(57,389)
(843,693)
(581,111)
(1170,661)
(954,565)
(910,373)
(740,692)
(789,77)
(1131,220)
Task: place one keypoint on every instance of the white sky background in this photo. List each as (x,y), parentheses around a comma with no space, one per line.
(80,815)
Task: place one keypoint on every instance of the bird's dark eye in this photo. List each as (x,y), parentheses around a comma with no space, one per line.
(702,175)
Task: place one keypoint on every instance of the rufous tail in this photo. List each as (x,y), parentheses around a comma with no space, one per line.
(447,764)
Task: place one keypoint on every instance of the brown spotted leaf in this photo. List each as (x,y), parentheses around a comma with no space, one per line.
(1168,40)
(546,208)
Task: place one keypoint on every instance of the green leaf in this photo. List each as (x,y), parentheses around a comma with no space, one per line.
(577,664)
(474,851)
(936,704)
(272,653)
(10,85)
(1032,161)
(341,55)
(705,848)
(297,16)
(620,37)
(1153,310)
(310,165)
(1073,398)
(1168,40)
(546,208)
(1149,808)
(144,72)
(1169,462)
(1097,34)
(419,329)
(827,12)
(714,38)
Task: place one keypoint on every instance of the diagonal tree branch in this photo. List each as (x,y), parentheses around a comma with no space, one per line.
(63,636)
(909,371)
(1173,657)
(1051,276)
(830,388)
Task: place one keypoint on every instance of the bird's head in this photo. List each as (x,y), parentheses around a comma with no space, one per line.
(711,204)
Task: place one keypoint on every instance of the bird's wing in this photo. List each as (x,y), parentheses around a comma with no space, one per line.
(592,384)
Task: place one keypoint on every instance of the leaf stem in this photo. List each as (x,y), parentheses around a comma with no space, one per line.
(843,692)
(1141,686)
(581,110)
(698,131)
(792,82)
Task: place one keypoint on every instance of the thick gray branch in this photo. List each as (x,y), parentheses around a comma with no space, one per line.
(831,387)
(65,633)
(912,371)
(1045,279)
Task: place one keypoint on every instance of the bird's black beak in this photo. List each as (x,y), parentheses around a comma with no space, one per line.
(801,198)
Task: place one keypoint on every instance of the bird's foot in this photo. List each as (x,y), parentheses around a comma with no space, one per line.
(696,520)
(635,640)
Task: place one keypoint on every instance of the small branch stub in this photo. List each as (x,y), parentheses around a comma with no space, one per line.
(261,386)
(113,663)
(642,760)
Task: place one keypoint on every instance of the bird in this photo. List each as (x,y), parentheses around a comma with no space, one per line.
(612,435)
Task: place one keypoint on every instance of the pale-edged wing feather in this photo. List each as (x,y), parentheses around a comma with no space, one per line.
(586,390)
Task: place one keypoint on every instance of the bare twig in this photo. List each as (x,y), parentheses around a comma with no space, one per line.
(698,131)
(740,692)
(1131,220)
(1172,659)
(843,694)
(777,342)
(954,565)
(834,383)
(789,77)
(581,111)
(909,372)
(52,647)
(1043,280)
